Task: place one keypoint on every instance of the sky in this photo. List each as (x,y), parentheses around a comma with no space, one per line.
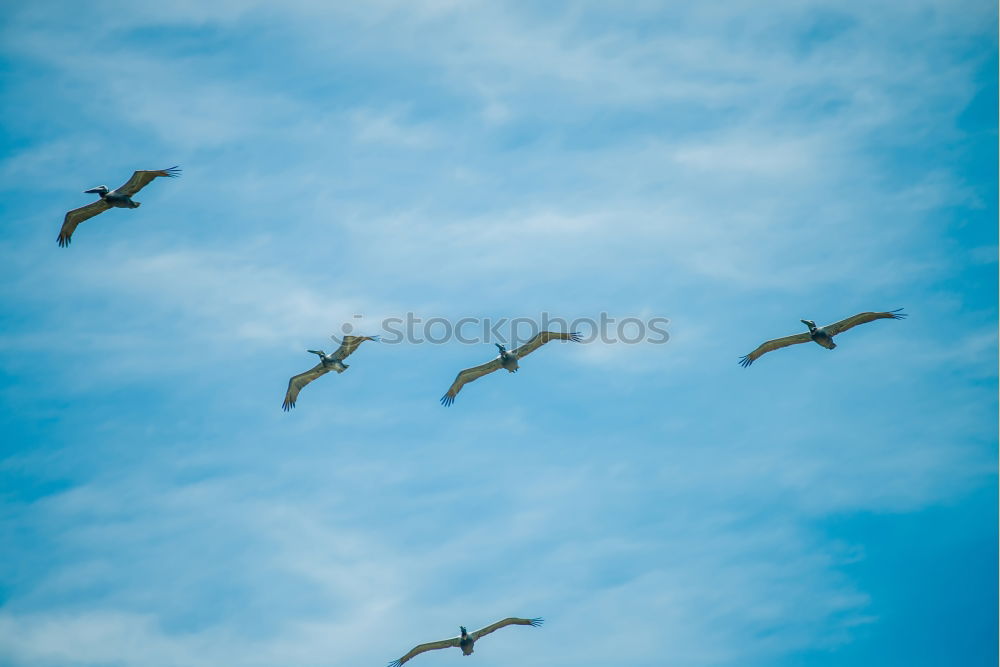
(728,167)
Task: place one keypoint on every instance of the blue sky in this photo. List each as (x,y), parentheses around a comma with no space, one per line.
(729,168)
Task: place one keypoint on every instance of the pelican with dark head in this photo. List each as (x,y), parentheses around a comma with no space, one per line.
(466,640)
(117,198)
(327,363)
(819,335)
(506,359)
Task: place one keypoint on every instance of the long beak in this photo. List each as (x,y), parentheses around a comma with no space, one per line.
(92,191)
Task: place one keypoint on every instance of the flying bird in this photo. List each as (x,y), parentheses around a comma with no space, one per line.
(327,363)
(820,335)
(506,359)
(119,198)
(465,640)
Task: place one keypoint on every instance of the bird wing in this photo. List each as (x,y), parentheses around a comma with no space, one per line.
(78,215)
(431,646)
(533,622)
(775,344)
(541,339)
(468,375)
(296,383)
(141,179)
(862,318)
(349,344)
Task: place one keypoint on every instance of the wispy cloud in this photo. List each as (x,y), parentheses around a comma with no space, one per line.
(727,168)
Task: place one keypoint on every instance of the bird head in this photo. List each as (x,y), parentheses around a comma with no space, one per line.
(500,347)
(809,323)
(464,632)
(99,190)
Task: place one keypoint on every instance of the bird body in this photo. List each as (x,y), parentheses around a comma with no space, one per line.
(114,198)
(465,640)
(507,359)
(327,363)
(117,198)
(330,361)
(820,335)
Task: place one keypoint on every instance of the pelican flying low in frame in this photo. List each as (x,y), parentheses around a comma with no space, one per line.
(327,363)
(465,640)
(117,198)
(506,359)
(819,335)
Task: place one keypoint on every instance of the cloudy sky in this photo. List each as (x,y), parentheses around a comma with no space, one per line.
(731,169)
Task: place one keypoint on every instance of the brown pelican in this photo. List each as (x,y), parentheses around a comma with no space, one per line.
(506,359)
(465,640)
(327,363)
(820,335)
(119,198)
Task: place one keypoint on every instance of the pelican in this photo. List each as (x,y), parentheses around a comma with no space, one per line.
(119,198)
(327,363)
(506,359)
(465,640)
(819,335)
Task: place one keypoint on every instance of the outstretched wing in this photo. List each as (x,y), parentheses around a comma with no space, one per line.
(349,344)
(141,179)
(862,318)
(296,383)
(78,215)
(533,622)
(541,339)
(432,646)
(775,344)
(468,375)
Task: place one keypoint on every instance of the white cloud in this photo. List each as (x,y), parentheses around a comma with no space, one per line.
(378,127)
(712,172)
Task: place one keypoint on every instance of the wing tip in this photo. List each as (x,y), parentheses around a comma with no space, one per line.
(535,622)
(447,400)
(172,172)
(575,337)
(287,405)
(63,241)
(898,314)
(394,663)
(745,361)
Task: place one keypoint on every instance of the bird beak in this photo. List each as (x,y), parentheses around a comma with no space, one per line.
(92,190)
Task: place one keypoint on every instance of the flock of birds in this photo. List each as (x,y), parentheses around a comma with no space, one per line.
(507,359)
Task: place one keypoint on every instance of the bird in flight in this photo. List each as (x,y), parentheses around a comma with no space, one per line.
(465,640)
(506,359)
(118,198)
(327,363)
(819,335)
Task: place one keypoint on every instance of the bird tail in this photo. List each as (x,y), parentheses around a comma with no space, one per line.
(343,367)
